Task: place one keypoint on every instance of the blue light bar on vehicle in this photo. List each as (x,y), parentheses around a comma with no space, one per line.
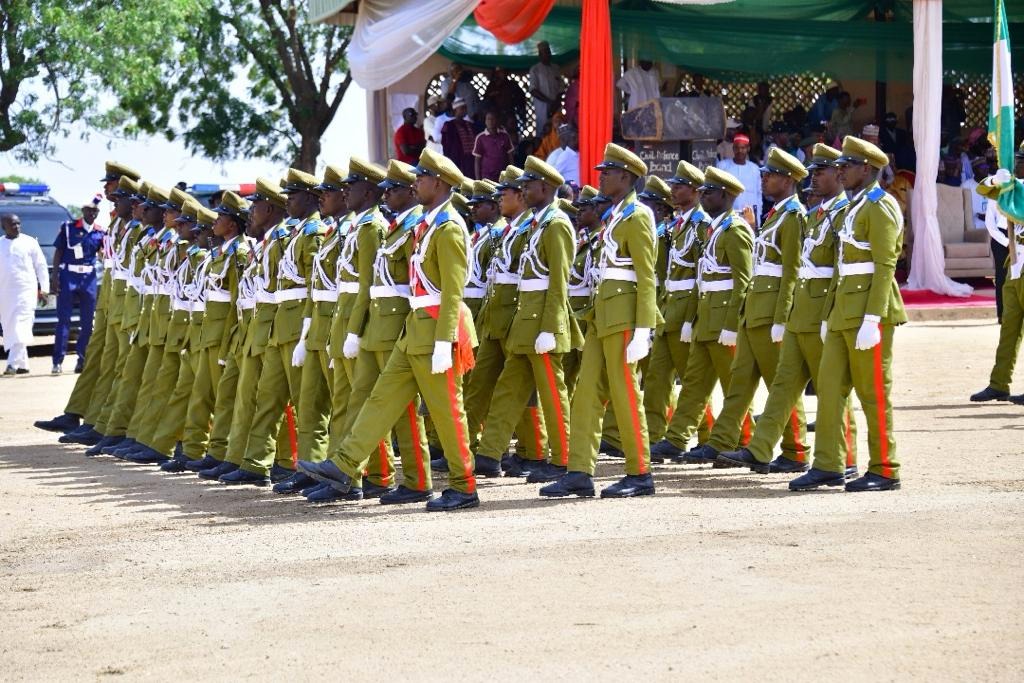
(26,189)
(212,188)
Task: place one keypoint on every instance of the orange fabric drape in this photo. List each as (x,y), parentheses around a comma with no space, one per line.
(595,87)
(512,21)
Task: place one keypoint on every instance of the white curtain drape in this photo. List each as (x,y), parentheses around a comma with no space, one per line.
(393,37)
(928,262)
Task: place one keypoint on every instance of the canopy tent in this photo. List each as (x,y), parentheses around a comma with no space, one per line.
(728,39)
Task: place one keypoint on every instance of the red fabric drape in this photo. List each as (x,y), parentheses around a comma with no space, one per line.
(512,21)
(595,87)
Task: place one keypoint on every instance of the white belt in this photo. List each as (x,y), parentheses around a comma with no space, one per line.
(816,272)
(218,295)
(179,305)
(147,290)
(387,291)
(471,293)
(108,263)
(624,274)
(536,284)
(198,306)
(348,288)
(328,295)
(264,297)
(77,269)
(581,290)
(424,301)
(293,294)
(133,285)
(714,285)
(1017,268)
(768,269)
(245,304)
(866,268)
(119,275)
(680,285)
(506,279)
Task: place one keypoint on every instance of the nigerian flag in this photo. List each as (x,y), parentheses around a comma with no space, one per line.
(1000,117)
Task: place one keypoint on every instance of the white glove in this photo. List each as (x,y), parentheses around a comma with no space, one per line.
(870,334)
(299,354)
(441,361)
(221,362)
(824,330)
(686,334)
(1002,177)
(639,346)
(351,348)
(727,338)
(545,343)
(777,332)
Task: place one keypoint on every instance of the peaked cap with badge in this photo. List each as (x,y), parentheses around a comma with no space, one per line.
(616,156)
(115,170)
(535,169)
(233,205)
(687,174)
(781,162)
(717,179)
(299,181)
(399,174)
(857,151)
(433,164)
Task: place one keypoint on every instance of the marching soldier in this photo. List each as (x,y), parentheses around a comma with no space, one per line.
(489,225)
(434,352)
(80,402)
(800,355)
(619,329)
(542,331)
(723,274)
(863,308)
(581,274)
(763,318)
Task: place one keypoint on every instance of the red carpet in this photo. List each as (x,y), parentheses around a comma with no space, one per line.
(927,298)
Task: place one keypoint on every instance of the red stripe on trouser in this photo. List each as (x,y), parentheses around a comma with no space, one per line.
(293,438)
(563,438)
(453,406)
(883,427)
(748,429)
(634,414)
(538,443)
(385,462)
(794,424)
(850,460)
(709,417)
(417,450)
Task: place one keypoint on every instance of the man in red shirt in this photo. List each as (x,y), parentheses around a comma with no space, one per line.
(409,138)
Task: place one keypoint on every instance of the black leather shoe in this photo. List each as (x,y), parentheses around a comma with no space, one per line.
(851,472)
(279,474)
(990,394)
(610,450)
(215,473)
(113,442)
(128,453)
(451,500)
(1017,400)
(207,462)
(436,452)
(328,473)
(146,456)
(240,477)
(122,448)
(784,465)
(403,495)
(62,423)
(816,478)
(328,494)
(570,484)
(105,442)
(701,455)
(630,486)
(518,466)
(294,483)
(873,482)
(79,366)
(179,450)
(84,435)
(744,458)
(439,464)
(665,450)
(315,486)
(371,490)
(811,427)
(174,465)
(543,472)
(486,467)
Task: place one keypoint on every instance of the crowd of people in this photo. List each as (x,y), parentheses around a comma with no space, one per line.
(309,335)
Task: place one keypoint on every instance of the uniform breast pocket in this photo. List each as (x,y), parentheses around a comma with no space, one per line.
(717,309)
(817,289)
(853,303)
(618,303)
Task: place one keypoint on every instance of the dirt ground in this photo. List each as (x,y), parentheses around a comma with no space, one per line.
(111,569)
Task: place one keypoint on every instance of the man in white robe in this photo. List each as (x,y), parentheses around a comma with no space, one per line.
(24,282)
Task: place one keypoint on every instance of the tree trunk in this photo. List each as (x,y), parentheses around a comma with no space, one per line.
(309,149)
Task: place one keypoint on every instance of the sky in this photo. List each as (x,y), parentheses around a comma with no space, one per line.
(74,172)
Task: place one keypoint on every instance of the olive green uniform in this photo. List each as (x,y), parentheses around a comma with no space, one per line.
(280,381)
(581,277)
(776,266)
(625,299)
(869,245)
(1011,328)
(800,355)
(547,255)
(384,321)
(439,261)
(723,275)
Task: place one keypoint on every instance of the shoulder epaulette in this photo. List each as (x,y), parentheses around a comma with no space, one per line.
(313,227)
(727,222)
(793,205)
(628,211)
(875,195)
(166,237)
(698,216)
(840,204)
(442,217)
